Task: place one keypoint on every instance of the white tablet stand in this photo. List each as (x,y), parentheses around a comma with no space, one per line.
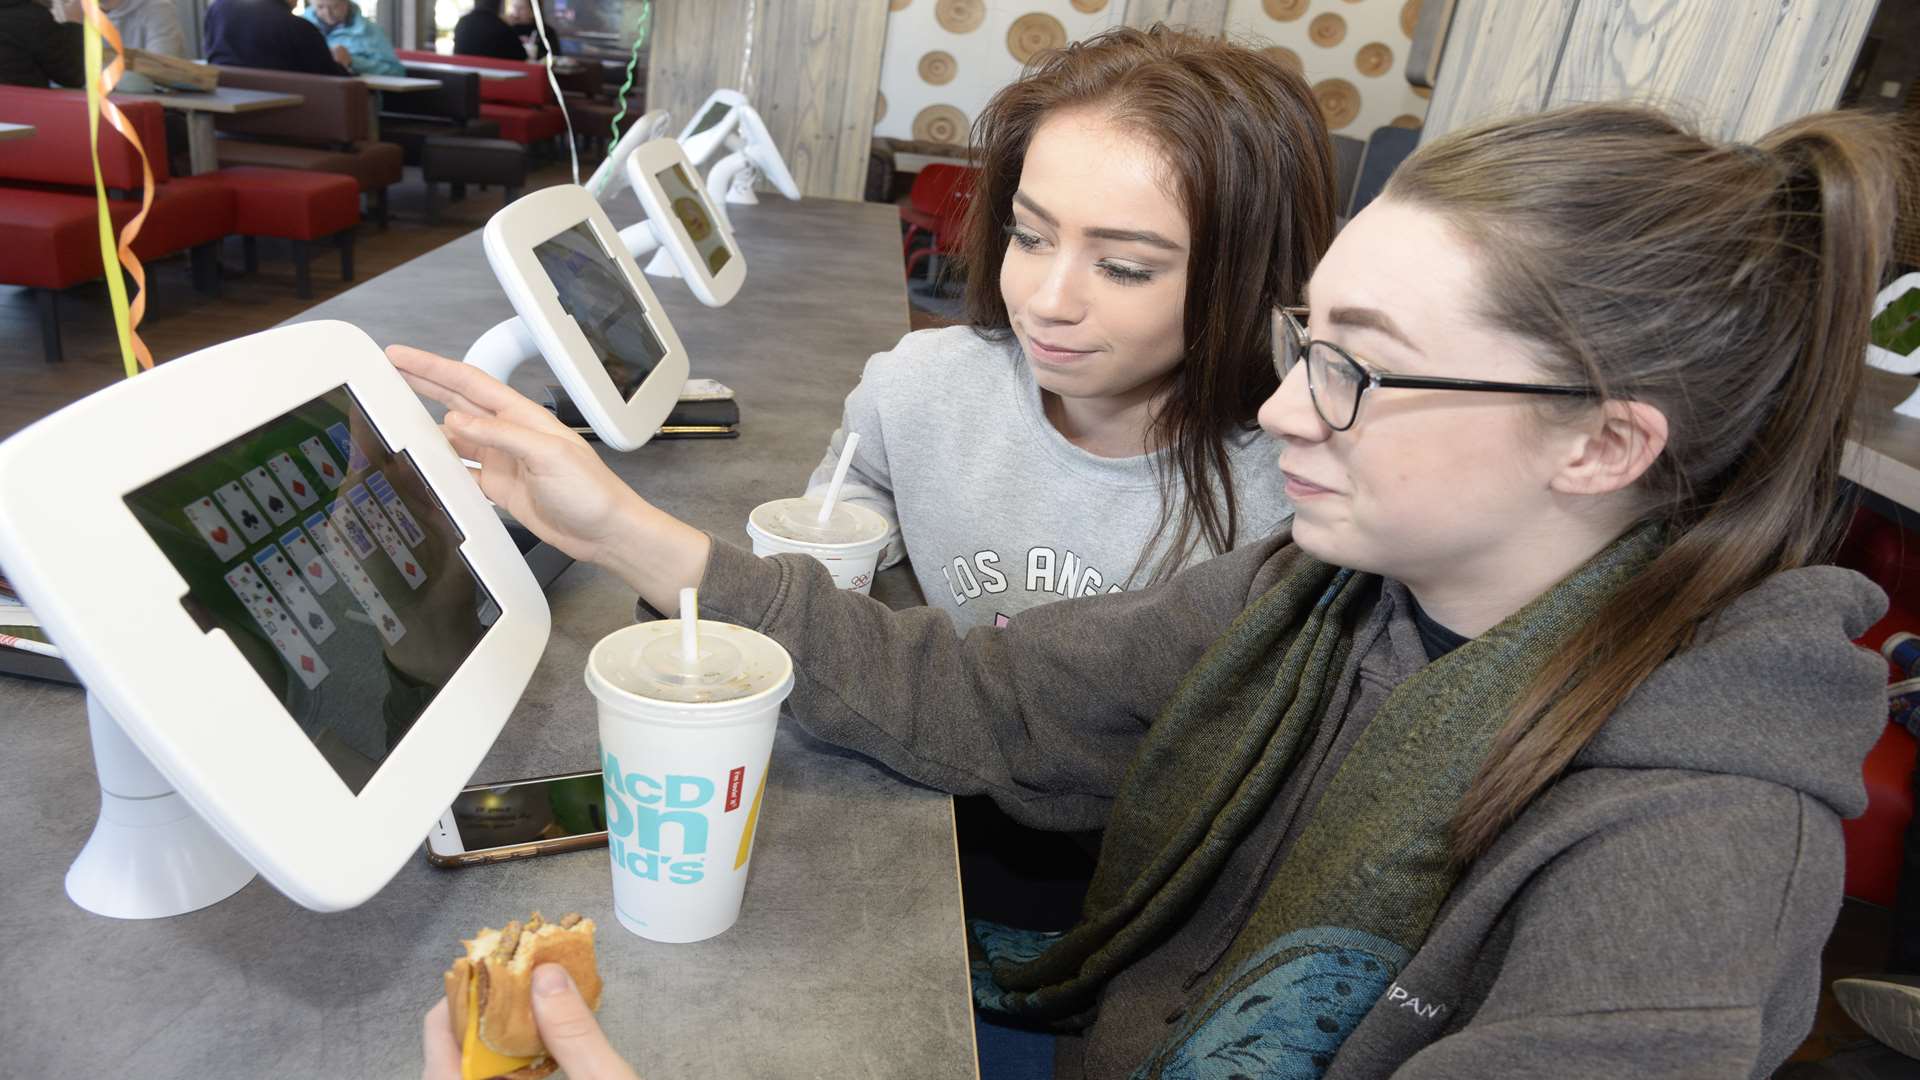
(150,855)
(611,175)
(718,193)
(508,344)
(731,180)
(754,157)
(205,775)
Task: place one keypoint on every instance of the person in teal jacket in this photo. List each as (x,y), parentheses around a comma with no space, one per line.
(365,42)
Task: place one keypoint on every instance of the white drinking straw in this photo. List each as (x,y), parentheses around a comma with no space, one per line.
(690,626)
(29,645)
(839,475)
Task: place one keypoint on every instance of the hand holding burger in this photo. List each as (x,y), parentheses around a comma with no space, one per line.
(520,1003)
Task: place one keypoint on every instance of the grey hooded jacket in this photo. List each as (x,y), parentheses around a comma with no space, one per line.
(1659,912)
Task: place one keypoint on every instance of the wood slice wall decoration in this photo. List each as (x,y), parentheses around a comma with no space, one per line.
(938,67)
(1410,17)
(1373,60)
(1090,7)
(898,5)
(1285,10)
(1034,33)
(940,123)
(960,16)
(1339,102)
(1327,30)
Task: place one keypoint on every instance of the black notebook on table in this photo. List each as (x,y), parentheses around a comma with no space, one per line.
(705,417)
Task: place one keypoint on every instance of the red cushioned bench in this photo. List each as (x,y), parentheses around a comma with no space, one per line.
(1875,840)
(524,108)
(299,206)
(327,132)
(48,236)
(49,231)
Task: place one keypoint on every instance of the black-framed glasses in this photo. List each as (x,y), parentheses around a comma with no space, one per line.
(1336,381)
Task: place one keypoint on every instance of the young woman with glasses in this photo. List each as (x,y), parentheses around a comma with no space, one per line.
(1523,751)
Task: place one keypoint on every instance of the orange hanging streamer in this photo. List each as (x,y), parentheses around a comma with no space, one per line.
(126,317)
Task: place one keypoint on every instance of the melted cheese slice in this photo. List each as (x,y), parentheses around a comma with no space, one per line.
(478,1061)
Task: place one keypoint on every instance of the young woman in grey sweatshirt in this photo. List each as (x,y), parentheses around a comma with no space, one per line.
(1522,752)
(1142,201)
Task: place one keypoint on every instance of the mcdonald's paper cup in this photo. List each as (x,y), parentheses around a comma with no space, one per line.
(848,545)
(684,750)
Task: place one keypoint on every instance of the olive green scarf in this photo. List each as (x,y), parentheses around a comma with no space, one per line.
(1354,897)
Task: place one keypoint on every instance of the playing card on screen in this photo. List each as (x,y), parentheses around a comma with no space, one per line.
(278,626)
(365,593)
(348,523)
(293,591)
(301,552)
(233,498)
(356,460)
(213,526)
(387,536)
(322,462)
(268,495)
(293,480)
(396,507)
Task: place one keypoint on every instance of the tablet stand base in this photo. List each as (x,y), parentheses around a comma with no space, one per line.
(503,348)
(642,239)
(663,265)
(150,855)
(731,180)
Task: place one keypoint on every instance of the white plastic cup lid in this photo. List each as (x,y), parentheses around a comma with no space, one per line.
(799,519)
(733,663)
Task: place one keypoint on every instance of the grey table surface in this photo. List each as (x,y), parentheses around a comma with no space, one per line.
(848,959)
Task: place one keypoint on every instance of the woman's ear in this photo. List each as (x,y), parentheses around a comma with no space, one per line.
(1617,451)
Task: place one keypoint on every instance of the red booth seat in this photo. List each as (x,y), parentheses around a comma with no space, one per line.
(1875,840)
(49,231)
(293,205)
(525,126)
(524,107)
(49,237)
(531,91)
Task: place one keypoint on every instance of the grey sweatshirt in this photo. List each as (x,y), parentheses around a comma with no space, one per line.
(996,509)
(152,25)
(1659,912)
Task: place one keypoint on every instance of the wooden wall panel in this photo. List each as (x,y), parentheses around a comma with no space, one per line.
(1739,67)
(814,72)
(1499,59)
(1204,16)
(1807,66)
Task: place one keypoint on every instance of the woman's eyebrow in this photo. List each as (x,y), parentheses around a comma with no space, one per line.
(1360,318)
(1132,236)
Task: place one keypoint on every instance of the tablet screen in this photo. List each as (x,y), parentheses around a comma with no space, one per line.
(690,206)
(592,290)
(329,563)
(713,116)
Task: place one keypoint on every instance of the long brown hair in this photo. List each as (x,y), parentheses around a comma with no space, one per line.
(1728,286)
(1253,168)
